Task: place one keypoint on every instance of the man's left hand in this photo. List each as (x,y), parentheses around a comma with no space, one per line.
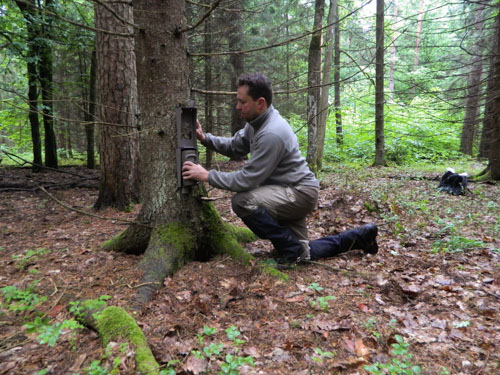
(192,171)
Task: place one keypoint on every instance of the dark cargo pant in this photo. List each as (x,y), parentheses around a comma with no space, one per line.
(288,205)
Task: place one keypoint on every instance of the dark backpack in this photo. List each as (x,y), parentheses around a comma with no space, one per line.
(453,183)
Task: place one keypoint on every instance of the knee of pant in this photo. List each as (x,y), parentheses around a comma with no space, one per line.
(239,204)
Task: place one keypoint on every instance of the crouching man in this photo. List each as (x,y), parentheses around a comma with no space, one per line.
(275,190)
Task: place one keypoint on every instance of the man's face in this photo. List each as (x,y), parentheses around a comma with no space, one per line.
(249,108)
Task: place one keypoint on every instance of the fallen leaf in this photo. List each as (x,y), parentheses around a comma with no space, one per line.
(364,307)
(361,349)
(195,365)
(55,310)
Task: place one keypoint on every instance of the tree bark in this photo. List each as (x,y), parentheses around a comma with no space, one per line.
(393,51)
(209,103)
(30,13)
(379,87)
(420,20)
(472,103)
(336,78)
(45,71)
(489,112)
(235,43)
(177,225)
(494,152)
(117,86)
(91,111)
(325,87)
(314,90)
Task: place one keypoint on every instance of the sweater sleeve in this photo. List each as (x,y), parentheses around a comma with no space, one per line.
(234,147)
(266,155)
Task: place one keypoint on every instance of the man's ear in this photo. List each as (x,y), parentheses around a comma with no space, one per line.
(262,102)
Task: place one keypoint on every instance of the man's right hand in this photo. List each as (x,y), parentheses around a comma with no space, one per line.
(199,132)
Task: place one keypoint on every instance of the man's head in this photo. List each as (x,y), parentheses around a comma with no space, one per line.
(255,95)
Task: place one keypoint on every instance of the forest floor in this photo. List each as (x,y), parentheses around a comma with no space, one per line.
(429,298)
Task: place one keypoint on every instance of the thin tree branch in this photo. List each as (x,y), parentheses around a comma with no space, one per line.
(205,16)
(74,23)
(280,43)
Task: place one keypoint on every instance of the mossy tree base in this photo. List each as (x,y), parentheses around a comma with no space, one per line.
(169,246)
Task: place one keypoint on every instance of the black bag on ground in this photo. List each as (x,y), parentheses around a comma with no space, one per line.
(453,183)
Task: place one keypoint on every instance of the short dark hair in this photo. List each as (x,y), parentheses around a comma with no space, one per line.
(258,86)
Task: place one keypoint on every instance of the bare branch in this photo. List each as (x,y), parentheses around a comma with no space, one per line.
(205,16)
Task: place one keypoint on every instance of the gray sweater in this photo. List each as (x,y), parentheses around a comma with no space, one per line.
(275,156)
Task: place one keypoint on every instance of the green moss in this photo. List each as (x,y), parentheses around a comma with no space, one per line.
(178,235)
(211,217)
(243,235)
(270,270)
(226,243)
(114,323)
(133,240)
(112,243)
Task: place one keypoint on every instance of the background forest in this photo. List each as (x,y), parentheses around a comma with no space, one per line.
(438,59)
(88,141)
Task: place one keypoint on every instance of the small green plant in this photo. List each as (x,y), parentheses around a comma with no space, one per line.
(96,369)
(320,355)
(371,324)
(456,244)
(322,302)
(207,331)
(399,365)
(47,333)
(213,349)
(232,334)
(232,364)
(170,370)
(315,286)
(22,261)
(22,300)
(78,308)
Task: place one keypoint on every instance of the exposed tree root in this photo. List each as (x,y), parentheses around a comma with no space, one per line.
(483,176)
(115,324)
(133,240)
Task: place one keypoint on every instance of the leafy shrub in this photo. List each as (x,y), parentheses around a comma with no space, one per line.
(22,300)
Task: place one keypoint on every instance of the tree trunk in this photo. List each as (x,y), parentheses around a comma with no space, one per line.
(45,71)
(90,112)
(209,103)
(393,51)
(472,103)
(235,43)
(489,112)
(117,86)
(325,87)
(68,144)
(379,87)
(336,78)
(177,226)
(494,152)
(30,13)
(314,89)
(420,19)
